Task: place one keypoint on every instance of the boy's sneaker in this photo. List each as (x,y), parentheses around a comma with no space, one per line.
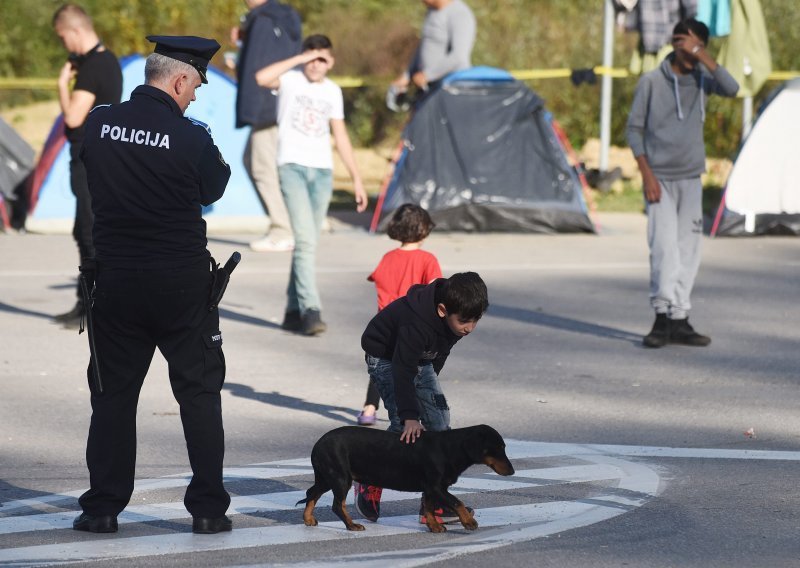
(292,321)
(368,501)
(682,333)
(312,323)
(366,419)
(269,244)
(659,336)
(443,515)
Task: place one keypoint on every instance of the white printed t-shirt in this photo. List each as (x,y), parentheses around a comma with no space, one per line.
(305,110)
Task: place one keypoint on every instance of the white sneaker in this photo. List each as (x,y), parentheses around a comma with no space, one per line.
(268,244)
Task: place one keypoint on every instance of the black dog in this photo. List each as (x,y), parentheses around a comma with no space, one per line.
(431,465)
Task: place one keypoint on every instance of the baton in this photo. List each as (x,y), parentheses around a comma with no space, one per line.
(87,306)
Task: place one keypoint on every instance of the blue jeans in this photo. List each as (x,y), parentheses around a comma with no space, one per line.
(433,409)
(307,194)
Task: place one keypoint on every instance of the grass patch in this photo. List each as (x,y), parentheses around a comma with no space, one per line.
(629,200)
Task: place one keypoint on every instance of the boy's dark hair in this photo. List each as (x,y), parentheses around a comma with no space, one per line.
(697,27)
(465,294)
(410,224)
(317,41)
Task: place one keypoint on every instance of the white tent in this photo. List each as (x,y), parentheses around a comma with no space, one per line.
(763,191)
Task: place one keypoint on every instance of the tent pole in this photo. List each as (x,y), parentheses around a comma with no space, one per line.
(747,116)
(605,100)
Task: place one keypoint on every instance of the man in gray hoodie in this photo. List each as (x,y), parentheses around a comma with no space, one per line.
(448,35)
(665,132)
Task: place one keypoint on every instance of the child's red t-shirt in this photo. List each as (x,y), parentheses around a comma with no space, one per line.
(400,269)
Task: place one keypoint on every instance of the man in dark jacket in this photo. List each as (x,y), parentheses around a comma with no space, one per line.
(406,345)
(270,32)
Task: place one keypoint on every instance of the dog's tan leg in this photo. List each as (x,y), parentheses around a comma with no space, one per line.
(433,525)
(308,513)
(467,519)
(346,518)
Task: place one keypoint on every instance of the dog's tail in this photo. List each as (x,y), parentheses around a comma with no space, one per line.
(301,501)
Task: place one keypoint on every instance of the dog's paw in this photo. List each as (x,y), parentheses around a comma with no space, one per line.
(310,522)
(471,524)
(437,528)
(355,527)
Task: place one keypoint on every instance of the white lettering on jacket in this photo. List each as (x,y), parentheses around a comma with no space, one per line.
(134,136)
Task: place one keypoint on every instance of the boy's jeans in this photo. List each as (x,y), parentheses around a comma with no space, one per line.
(434,412)
(307,194)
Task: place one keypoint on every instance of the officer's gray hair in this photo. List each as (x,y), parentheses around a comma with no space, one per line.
(159,68)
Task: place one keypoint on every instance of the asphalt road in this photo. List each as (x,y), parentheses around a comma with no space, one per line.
(626,456)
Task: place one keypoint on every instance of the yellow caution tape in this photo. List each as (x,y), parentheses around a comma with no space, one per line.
(355,82)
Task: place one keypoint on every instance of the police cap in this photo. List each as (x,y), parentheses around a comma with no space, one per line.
(196,51)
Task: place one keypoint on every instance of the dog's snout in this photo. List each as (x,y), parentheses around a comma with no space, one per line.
(501,466)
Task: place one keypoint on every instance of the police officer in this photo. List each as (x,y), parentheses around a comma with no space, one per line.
(150,171)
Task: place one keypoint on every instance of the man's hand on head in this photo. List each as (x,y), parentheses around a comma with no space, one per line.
(688,43)
(313,54)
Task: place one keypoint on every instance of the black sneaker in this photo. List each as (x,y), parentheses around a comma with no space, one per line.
(209,525)
(368,501)
(312,323)
(659,336)
(682,333)
(292,321)
(73,315)
(443,515)
(100,524)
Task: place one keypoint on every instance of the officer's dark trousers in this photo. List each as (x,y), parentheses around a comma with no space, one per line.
(82,229)
(134,312)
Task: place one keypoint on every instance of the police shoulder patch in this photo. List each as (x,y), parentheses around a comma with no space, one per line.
(199,123)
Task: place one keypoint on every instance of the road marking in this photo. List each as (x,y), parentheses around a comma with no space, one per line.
(628,485)
(286,500)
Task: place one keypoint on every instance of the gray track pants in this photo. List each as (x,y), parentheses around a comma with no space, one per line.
(674,233)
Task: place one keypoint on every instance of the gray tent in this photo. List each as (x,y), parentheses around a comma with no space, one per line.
(481,154)
(16,159)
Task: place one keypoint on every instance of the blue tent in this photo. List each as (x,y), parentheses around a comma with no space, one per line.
(239,209)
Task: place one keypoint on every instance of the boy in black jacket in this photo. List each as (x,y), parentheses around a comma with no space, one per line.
(406,345)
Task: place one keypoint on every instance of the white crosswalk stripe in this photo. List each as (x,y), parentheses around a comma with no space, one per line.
(629,484)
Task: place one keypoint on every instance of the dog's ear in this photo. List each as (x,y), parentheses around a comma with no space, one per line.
(475,449)
(477,446)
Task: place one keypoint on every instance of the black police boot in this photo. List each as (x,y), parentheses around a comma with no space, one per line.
(659,335)
(100,524)
(72,316)
(682,333)
(312,323)
(292,321)
(208,525)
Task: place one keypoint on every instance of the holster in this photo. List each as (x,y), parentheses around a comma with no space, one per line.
(88,272)
(222,275)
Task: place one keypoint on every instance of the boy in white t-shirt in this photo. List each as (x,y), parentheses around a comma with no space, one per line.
(310,109)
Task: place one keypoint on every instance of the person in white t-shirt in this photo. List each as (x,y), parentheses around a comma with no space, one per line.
(310,109)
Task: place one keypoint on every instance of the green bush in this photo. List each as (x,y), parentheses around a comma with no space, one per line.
(375,38)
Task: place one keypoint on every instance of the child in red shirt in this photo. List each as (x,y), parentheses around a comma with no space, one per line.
(398,270)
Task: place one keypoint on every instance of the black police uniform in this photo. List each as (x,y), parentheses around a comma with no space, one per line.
(150,171)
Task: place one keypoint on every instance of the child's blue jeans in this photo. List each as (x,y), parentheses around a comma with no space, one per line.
(434,412)
(307,193)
